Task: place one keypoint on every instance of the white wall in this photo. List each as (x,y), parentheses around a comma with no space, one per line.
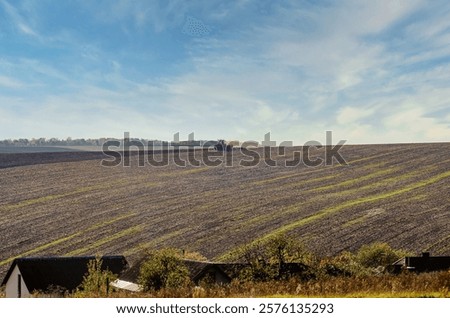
(11,285)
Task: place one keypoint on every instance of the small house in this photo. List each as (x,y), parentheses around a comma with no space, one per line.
(424,263)
(49,274)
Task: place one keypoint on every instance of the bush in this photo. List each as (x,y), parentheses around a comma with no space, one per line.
(163,269)
(269,261)
(96,281)
(344,264)
(378,254)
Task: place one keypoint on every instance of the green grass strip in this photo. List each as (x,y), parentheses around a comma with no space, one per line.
(357,220)
(308,181)
(143,246)
(429,247)
(354,181)
(105,240)
(184,172)
(374,185)
(303,182)
(306,172)
(51,197)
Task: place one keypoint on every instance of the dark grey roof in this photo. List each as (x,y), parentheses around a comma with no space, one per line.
(424,263)
(132,273)
(428,263)
(198,269)
(40,273)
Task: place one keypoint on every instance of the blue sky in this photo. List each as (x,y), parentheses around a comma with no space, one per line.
(370,71)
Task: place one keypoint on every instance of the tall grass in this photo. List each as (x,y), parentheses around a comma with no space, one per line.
(435,284)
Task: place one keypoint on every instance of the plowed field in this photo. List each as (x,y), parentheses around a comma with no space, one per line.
(56,205)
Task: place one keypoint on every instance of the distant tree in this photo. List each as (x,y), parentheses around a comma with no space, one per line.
(267,260)
(97,281)
(22,142)
(343,264)
(378,254)
(53,141)
(163,269)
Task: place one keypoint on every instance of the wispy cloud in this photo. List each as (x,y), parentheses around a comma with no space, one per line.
(10,82)
(140,14)
(371,71)
(17,19)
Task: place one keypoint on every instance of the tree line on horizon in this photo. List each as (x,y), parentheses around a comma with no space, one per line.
(52,142)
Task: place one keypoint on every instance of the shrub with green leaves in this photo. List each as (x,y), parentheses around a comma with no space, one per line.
(96,281)
(343,264)
(378,254)
(267,261)
(163,269)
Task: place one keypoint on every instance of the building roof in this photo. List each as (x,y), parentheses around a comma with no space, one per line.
(41,273)
(428,263)
(422,263)
(198,269)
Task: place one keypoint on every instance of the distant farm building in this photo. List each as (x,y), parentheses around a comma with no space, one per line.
(424,263)
(48,274)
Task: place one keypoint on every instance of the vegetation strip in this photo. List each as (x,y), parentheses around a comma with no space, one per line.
(326,168)
(66,238)
(28,202)
(160,239)
(103,241)
(438,242)
(353,181)
(296,206)
(24,203)
(184,172)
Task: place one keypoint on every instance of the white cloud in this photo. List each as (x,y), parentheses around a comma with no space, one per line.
(362,18)
(26,29)
(411,121)
(10,82)
(423,30)
(160,15)
(17,19)
(349,115)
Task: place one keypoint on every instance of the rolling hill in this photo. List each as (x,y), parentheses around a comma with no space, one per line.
(64,204)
